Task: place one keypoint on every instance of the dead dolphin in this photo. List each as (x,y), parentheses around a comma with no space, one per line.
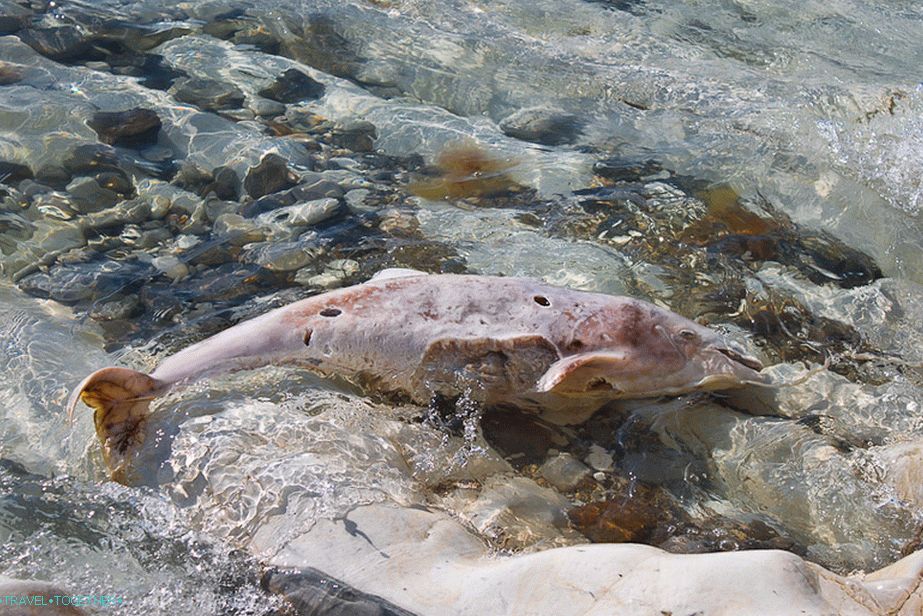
(504,341)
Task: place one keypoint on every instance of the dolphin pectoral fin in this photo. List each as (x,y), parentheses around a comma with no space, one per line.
(582,374)
(120,398)
(500,366)
(397,272)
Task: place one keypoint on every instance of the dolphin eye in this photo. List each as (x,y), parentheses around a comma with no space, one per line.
(688,334)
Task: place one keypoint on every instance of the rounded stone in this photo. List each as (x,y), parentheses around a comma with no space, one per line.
(133,127)
(171,267)
(269,176)
(265,107)
(293,86)
(208,94)
(599,459)
(564,472)
(303,214)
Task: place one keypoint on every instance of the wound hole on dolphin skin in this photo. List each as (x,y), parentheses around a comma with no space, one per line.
(541,300)
(688,334)
(331,312)
(307,336)
(598,384)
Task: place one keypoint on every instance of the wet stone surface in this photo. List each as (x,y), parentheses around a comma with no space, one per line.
(293,86)
(132,127)
(208,94)
(60,43)
(270,176)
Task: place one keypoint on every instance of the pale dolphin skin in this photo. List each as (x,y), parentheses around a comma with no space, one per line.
(502,341)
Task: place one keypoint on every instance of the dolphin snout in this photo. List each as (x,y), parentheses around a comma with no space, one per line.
(747,360)
(726,367)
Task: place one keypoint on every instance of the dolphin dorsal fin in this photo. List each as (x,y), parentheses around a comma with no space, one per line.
(397,272)
(581,373)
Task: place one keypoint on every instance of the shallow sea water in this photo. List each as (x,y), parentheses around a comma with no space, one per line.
(753,165)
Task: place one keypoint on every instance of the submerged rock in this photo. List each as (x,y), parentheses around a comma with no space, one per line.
(116,308)
(313,592)
(355,135)
(13,173)
(302,214)
(13,16)
(564,472)
(515,513)
(238,230)
(270,176)
(293,86)
(133,127)
(89,196)
(334,275)
(226,183)
(59,43)
(76,282)
(208,94)
(543,126)
(91,157)
(10,73)
(280,256)
(171,266)
(195,179)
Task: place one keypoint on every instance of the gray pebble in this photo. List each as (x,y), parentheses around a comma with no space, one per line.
(122,307)
(280,256)
(302,214)
(89,196)
(265,107)
(564,471)
(599,459)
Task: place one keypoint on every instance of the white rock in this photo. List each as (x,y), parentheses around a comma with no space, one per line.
(903,465)
(516,513)
(428,563)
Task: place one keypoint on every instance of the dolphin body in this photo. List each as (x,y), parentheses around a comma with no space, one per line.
(502,341)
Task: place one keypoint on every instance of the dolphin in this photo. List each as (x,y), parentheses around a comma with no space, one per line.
(503,341)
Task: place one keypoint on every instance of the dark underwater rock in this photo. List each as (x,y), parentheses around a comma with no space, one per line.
(358,135)
(61,43)
(313,592)
(13,17)
(293,86)
(133,127)
(543,126)
(13,173)
(270,176)
(226,185)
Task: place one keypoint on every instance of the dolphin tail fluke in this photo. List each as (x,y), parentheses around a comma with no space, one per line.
(121,399)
